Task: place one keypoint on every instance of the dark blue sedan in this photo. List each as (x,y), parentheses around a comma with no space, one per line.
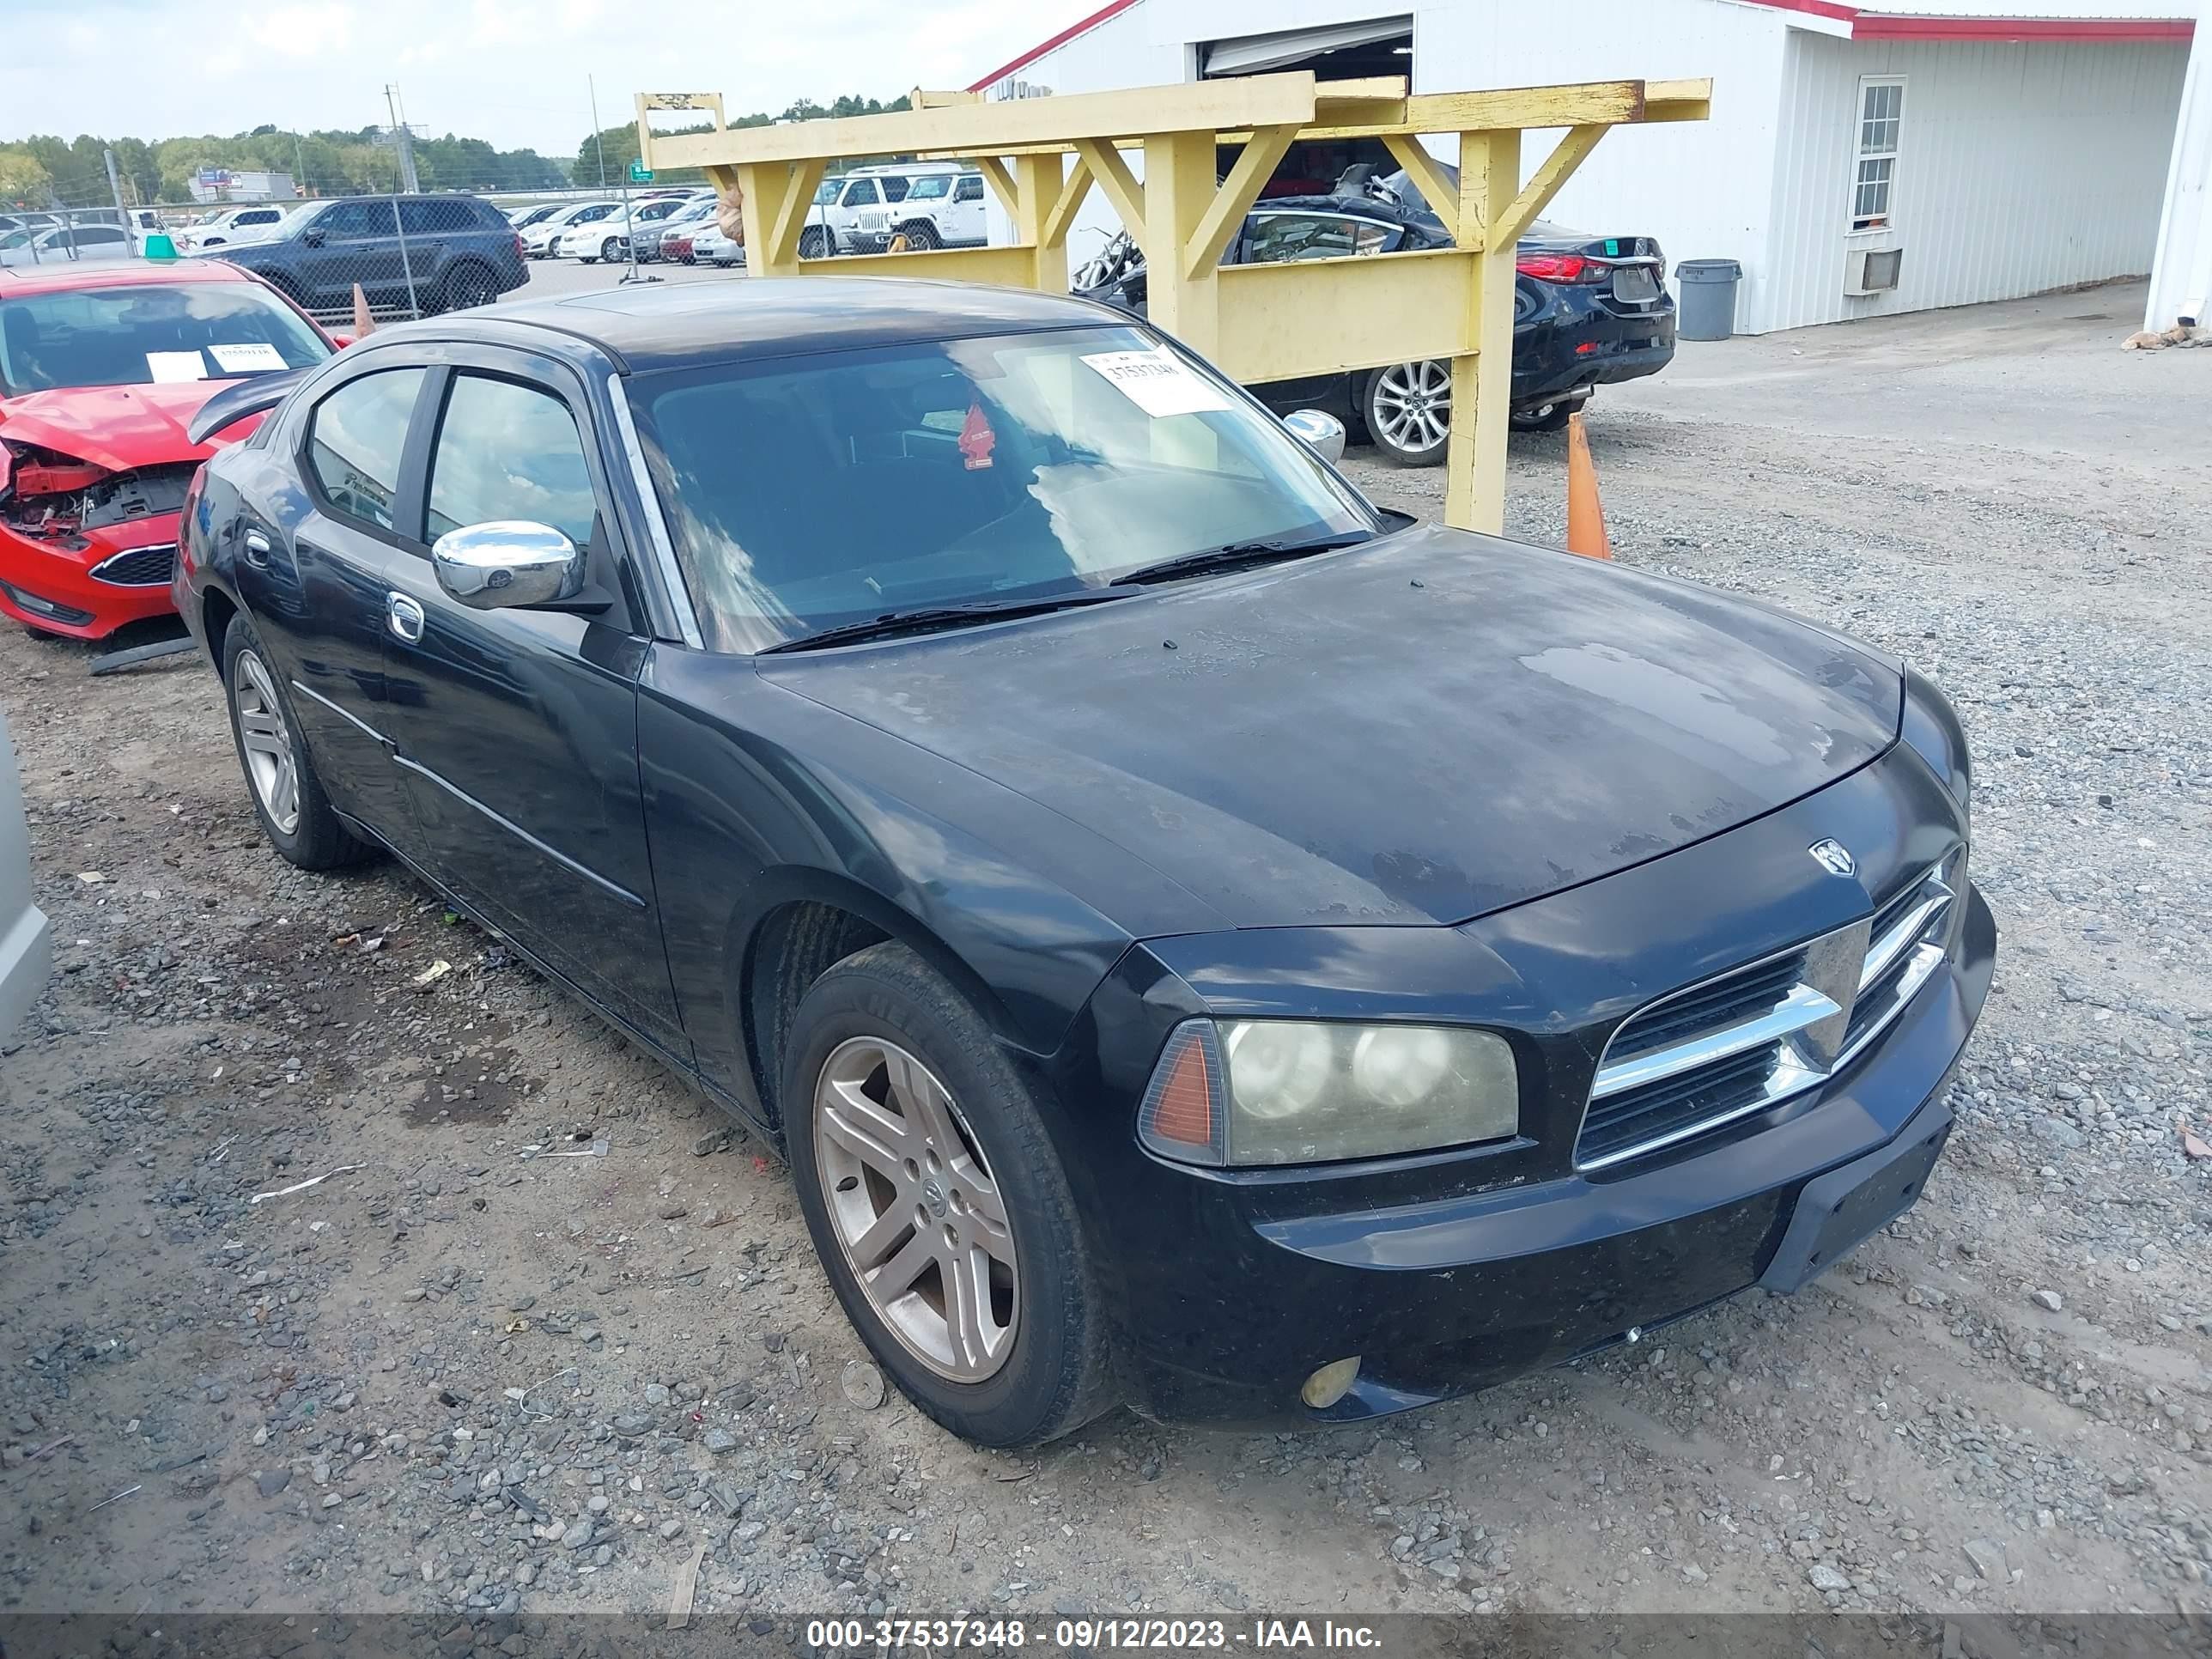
(1202,942)
(1587,311)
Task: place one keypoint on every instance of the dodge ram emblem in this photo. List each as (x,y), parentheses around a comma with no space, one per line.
(1833,857)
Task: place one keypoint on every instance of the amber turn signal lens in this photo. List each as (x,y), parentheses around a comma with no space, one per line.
(1182,1114)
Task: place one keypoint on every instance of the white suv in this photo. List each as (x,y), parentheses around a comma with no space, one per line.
(940,210)
(833,216)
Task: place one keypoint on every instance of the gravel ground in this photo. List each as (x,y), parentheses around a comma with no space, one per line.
(465,1375)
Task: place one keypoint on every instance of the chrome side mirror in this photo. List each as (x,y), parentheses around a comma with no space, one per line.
(1321,434)
(508,564)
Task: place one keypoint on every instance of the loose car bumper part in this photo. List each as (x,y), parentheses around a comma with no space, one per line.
(1450,1273)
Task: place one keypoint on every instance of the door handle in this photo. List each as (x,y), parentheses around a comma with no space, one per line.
(403,617)
(257,549)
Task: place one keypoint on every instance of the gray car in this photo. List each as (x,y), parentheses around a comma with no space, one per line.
(26,949)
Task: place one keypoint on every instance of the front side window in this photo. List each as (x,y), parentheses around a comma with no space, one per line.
(930,187)
(352,221)
(1881,123)
(507,451)
(811,492)
(137,334)
(1275,238)
(862,194)
(355,442)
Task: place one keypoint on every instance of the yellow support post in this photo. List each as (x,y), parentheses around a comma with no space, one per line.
(1178,189)
(1482,385)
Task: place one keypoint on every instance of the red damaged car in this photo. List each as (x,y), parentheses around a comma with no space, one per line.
(101,366)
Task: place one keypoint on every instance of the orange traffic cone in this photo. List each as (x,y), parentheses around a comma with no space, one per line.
(363,323)
(1585,517)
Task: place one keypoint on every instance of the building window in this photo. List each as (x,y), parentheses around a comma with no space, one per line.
(1874,178)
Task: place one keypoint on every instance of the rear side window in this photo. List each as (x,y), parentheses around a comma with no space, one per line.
(432,218)
(355,442)
(507,451)
(970,190)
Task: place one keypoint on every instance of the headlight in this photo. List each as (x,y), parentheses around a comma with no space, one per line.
(1272,1092)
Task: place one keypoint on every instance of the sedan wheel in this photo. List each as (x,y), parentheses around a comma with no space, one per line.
(266,742)
(295,814)
(1409,412)
(915,1210)
(938,1204)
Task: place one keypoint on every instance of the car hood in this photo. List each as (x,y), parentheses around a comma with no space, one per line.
(117,427)
(1419,731)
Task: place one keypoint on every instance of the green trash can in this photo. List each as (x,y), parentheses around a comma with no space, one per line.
(1708,298)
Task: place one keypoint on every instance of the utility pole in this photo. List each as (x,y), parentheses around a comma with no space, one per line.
(115,189)
(403,138)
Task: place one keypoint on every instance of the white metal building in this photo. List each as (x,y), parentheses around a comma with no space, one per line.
(1860,159)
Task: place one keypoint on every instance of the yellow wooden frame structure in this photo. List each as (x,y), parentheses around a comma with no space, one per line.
(1270,322)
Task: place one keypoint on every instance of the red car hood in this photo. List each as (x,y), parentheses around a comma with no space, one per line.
(117,427)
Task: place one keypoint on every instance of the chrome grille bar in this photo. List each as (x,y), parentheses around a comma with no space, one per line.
(1849,986)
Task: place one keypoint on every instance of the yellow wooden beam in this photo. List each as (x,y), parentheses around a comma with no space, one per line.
(1001,182)
(1179,189)
(1314,316)
(1677,101)
(1052,230)
(1112,174)
(1258,101)
(1248,175)
(1003,267)
(1430,178)
(918,99)
(1482,383)
(1536,195)
(794,195)
(1040,187)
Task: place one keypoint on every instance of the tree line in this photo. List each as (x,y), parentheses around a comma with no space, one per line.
(46,171)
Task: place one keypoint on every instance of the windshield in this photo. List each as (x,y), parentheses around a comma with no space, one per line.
(141,334)
(930,187)
(809,493)
(826,191)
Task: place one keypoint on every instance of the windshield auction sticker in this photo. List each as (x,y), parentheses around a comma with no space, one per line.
(1158,382)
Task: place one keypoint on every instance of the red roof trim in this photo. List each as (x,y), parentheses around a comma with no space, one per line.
(1112,9)
(1873,25)
(1865,26)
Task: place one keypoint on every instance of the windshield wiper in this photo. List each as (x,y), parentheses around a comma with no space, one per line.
(944,615)
(1234,554)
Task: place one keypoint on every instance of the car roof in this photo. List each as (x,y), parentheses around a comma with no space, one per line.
(680,326)
(115,273)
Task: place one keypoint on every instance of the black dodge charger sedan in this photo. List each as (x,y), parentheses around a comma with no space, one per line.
(1201,941)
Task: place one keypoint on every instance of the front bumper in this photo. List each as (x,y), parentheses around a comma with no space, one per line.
(1452,1271)
(47,583)
(1442,1299)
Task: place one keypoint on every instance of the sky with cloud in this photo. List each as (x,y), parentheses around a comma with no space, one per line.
(513,71)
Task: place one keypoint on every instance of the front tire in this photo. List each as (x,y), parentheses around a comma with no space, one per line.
(921,236)
(939,1207)
(1407,409)
(813,242)
(288,797)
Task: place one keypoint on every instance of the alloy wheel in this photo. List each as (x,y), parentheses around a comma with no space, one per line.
(916,1213)
(1412,406)
(267,742)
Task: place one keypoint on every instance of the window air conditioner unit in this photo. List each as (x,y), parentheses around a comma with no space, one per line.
(1871,269)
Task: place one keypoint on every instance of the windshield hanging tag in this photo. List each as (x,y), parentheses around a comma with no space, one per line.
(976,438)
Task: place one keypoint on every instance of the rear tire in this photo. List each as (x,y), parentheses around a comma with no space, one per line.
(999,1333)
(1406,409)
(469,285)
(295,814)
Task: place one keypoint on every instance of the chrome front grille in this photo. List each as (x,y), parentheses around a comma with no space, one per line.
(141,567)
(1753,1036)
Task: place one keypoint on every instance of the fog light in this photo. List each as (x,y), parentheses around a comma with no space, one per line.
(1330,1383)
